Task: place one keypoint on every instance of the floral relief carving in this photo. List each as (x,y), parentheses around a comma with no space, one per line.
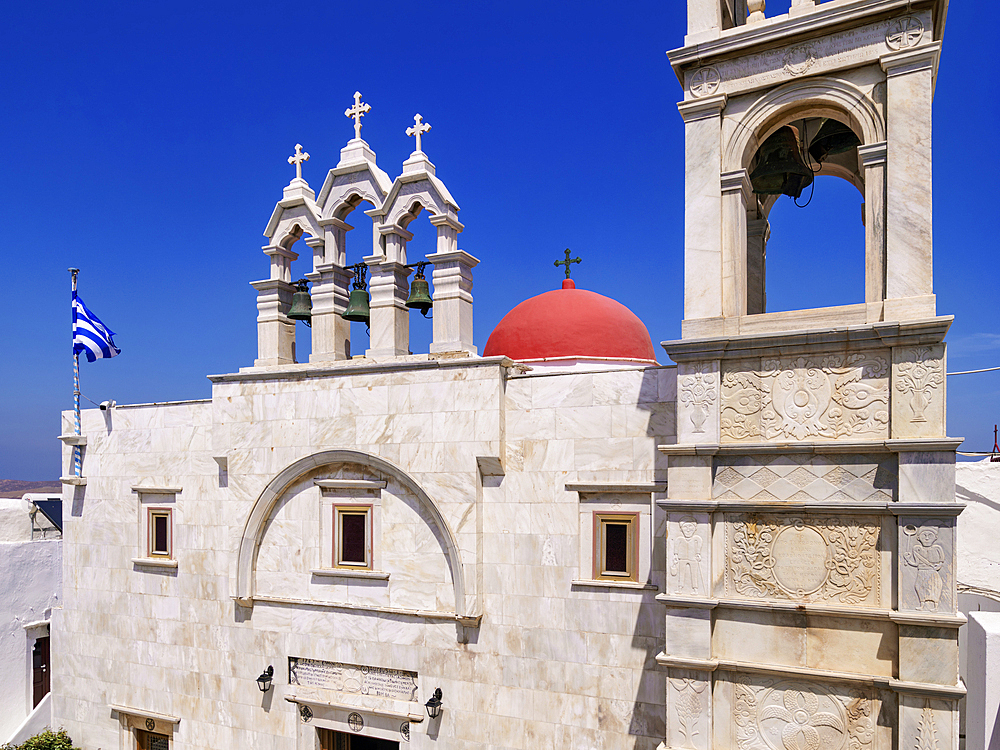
(791,715)
(789,557)
(688,707)
(927,732)
(804,397)
(919,378)
(698,390)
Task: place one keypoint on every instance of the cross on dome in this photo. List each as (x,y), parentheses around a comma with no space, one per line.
(567,262)
(297,160)
(419,127)
(357,112)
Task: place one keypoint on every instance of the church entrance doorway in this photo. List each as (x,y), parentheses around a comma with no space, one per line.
(331,740)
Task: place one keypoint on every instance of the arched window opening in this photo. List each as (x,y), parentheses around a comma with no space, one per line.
(359,243)
(806,235)
(815,256)
(424,243)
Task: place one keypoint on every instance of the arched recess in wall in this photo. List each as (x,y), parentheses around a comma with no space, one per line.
(253,530)
(804,104)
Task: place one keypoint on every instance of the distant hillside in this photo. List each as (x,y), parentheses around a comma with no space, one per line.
(18,487)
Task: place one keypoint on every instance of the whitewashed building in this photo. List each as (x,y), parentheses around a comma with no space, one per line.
(577,546)
(30,587)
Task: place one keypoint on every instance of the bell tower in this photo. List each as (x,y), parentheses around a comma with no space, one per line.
(813,482)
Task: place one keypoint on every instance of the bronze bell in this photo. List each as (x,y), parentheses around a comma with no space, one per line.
(358,310)
(780,169)
(834,137)
(420,292)
(301,303)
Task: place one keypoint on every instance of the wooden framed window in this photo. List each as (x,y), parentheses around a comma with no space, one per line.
(352,537)
(159,526)
(616,551)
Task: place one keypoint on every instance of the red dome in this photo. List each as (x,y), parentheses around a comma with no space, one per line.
(571,323)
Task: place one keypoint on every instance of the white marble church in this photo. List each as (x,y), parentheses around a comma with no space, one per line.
(554,541)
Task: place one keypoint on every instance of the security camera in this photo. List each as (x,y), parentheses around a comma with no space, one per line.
(105,405)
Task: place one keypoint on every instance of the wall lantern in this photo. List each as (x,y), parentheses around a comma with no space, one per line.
(264,681)
(433,706)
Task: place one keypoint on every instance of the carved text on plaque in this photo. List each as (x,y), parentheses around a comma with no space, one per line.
(807,559)
(353,678)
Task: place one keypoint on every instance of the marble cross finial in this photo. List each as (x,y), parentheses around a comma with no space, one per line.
(567,262)
(357,112)
(297,160)
(419,127)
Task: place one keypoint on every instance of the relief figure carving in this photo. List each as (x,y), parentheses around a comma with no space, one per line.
(927,557)
(698,390)
(919,378)
(685,561)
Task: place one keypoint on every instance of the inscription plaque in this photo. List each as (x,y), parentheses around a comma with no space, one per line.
(353,678)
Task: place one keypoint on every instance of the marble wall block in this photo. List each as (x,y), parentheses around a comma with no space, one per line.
(918,391)
(926,476)
(815,397)
(698,402)
(689,632)
(689,562)
(927,564)
(814,558)
(689,709)
(689,477)
(928,654)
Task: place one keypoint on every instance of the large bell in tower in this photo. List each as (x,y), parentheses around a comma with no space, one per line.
(301,308)
(780,168)
(358,305)
(833,138)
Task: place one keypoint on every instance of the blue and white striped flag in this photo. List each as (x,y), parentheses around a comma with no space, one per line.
(90,335)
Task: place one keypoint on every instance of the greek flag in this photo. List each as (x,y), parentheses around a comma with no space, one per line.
(90,335)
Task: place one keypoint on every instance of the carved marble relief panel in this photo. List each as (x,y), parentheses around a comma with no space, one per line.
(698,402)
(770,714)
(689,709)
(927,723)
(926,564)
(800,476)
(816,558)
(689,554)
(918,391)
(824,397)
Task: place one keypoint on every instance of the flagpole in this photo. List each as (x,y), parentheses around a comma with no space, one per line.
(77,458)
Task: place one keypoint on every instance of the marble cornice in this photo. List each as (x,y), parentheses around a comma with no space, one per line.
(826,19)
(305,371)
(868,336)
(909,445)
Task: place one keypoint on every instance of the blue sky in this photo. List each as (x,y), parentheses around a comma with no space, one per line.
(146,144)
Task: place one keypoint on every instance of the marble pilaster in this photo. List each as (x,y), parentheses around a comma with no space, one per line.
(452,301)
(909,90)
(703,260)
(390,318)
(331,334)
